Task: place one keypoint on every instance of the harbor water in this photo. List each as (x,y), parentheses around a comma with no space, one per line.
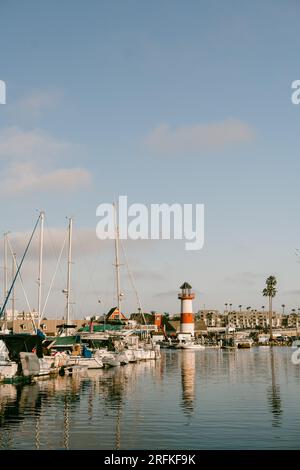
(207,399)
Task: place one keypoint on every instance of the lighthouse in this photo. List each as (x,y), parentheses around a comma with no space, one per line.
(187,316)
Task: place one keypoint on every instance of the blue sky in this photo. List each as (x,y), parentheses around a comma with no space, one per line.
(90,86)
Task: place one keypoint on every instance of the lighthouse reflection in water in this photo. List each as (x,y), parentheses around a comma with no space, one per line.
(188,375)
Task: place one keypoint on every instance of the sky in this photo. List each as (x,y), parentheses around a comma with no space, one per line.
(164,102)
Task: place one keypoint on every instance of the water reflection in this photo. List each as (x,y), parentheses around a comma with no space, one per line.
(188,374)
(66,423)
(274,393)
(145,405)
(37,432)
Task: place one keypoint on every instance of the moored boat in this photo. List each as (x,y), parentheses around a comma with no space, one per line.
(17,364)
(194,346)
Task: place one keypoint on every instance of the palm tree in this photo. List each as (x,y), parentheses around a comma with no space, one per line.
(263,308)
(270,291)
(230,305)
(283,307)
(248,308)
(240,307)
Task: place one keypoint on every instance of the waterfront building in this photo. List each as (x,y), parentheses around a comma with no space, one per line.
(293,320)
(246,319)
(212,318)
(253,319)
(11,315)
(49,327)
(158,320)
(115,314)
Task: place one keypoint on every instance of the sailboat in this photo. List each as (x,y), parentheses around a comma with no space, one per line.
(74,354)
(76,362)
(132,349)
(21,354)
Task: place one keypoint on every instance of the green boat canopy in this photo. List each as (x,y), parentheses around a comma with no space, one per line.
(101,328)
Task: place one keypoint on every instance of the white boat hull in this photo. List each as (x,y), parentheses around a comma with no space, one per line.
(195,347)
(89,362)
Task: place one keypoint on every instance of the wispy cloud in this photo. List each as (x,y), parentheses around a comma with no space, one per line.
(19,144)
(31,160)
(26,177)
(198,138)
(35,103)
(85,242)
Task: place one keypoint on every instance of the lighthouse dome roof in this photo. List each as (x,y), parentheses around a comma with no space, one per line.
(185,285)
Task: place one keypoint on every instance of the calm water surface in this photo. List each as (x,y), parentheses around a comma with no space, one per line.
(212,399)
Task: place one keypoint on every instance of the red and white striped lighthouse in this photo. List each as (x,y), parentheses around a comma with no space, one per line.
(187,316)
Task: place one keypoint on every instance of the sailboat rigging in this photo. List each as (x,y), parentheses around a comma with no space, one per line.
(16,274)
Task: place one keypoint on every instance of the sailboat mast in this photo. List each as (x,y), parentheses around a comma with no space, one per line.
(117,264)
(5,275)
(13,273)
(69,270)
(18,270)
(42,217)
